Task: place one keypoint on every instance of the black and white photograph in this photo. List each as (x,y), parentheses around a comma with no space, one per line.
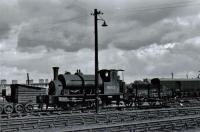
(99,66)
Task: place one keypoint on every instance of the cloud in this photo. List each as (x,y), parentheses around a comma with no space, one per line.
(143,40)
(68,25)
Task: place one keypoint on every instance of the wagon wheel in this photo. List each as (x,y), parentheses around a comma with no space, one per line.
(152,103)
(128,103)
(28,108)
(163,103)
(19,108)
(138,103)
(1,108)
(8,109)
(92,105)
(66,106)
(40,106)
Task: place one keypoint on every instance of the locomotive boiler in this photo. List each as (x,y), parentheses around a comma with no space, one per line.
(78,90)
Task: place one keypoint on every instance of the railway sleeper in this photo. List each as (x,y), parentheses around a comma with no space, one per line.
(140,127)
(89,121)
(192,112)
(45,125)
(198,122)
(179,125)
(155,127)
(60,124)
(191,124)
(74,122)
(11,124)
(30,127)
(114,129)
(99,130)
(164,114)
(29,123)
(140,130)
(115,119)
(141,116)
(10,127)
(167,127)
(40,123)
(10,130)
(151,116)
(14,124)
(129,119)
(101,119)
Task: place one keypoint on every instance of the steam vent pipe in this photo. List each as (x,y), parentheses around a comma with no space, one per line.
(55,73)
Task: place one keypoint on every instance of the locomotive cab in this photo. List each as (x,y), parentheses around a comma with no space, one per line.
(111,82)
(113,86)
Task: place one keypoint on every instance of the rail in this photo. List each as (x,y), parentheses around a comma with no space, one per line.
(72,120)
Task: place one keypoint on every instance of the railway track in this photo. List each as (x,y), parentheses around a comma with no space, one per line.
(88,119)
(52,111)
(158,125)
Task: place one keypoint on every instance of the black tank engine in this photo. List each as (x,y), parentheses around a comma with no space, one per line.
(78,90)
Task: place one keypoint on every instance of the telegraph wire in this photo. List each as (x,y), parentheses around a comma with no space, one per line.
(139,10)
(144,10)
(136,11)
(162,6)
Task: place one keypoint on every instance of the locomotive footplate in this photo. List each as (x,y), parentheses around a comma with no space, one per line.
(72,99)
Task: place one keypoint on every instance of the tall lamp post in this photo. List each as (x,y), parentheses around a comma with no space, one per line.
(95,14)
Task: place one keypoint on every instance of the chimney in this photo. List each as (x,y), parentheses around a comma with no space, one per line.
(55,73)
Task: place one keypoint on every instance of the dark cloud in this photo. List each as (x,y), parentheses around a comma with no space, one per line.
(168,30)
(68,25)
(4,30)
(141,38)
(9,17)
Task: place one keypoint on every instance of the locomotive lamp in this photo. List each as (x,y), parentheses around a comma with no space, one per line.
(95,14)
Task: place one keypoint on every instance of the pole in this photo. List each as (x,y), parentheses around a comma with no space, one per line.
(96,59)
(28,81)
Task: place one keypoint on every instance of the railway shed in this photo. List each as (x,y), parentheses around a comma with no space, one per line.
(25,93)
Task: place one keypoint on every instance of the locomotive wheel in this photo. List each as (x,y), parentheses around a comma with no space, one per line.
(8,109)
(164,104)
(19,108)
(28,108)
(152,103)
(138,103)
(128,103)
(66,107)
(1,108)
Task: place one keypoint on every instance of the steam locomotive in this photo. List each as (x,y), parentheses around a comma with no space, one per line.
(77,90)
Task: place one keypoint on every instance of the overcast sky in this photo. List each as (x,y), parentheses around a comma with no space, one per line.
(147,39)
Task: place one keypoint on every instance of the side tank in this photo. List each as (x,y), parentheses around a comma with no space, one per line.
(64,83)
(78,81)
